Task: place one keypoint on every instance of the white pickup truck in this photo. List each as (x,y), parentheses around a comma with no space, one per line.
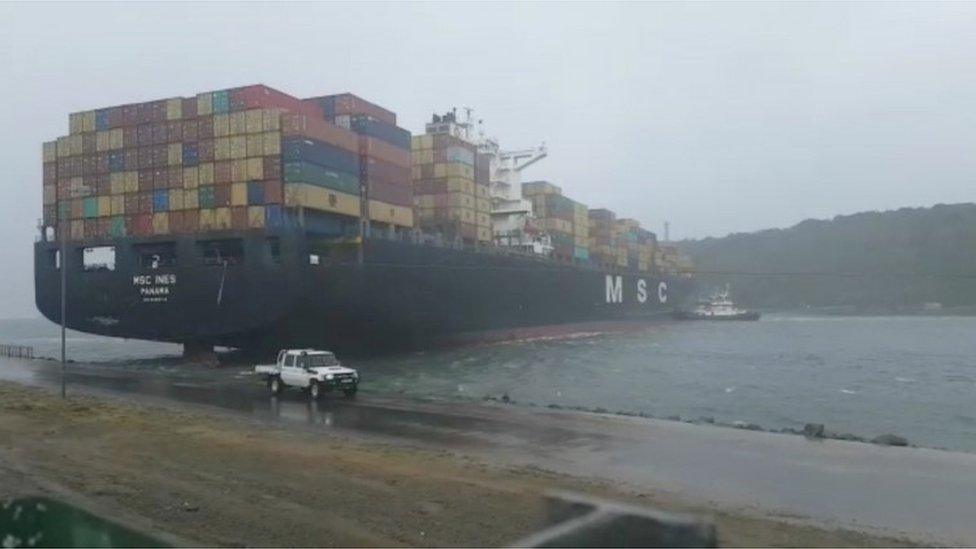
(311,370)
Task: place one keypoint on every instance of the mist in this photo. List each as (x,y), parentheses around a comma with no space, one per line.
(717,118)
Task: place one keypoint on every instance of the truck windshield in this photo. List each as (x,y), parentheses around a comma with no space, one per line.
(315,361)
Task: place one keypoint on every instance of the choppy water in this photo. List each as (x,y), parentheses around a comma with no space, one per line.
(913,376)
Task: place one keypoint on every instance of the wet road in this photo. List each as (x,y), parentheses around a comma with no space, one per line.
(927,494)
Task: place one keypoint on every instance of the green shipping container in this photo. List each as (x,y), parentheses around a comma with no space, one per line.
(91,207)
(205,196)
(116,227)
(64,209)
(303,172)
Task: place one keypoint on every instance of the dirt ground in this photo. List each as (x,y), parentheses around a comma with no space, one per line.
(219,480)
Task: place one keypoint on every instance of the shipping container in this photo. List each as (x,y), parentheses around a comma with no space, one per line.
(320,198)
(304,172)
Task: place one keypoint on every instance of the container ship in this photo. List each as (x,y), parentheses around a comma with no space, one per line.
(252,219)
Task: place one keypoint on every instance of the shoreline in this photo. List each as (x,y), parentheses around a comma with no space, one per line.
(107,450)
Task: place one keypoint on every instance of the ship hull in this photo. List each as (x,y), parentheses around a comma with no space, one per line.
(391,295)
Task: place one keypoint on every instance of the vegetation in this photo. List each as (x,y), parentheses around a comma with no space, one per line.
(897,260)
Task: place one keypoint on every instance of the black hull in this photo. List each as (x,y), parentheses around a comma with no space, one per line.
(685,315)
(400,296)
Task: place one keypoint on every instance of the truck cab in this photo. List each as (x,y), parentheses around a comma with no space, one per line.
(312,370)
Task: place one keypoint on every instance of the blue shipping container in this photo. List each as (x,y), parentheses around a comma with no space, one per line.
(205,196)
(581,253)
(394,135)
(255,192)
(161,200)
(101,120)
(191,154)
(320,154)
(273,217)
(116,161)
(221,102)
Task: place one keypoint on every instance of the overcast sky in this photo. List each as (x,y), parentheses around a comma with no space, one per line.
(716,117)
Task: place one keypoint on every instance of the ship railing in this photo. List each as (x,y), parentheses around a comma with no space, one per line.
(16,351)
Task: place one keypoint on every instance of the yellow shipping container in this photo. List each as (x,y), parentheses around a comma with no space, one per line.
(191,177)
(204,104)
(272,143)
(206,173)
(116,139)
(555,224)
(74,122)
(319,198)
(222,148)
(222,219)
(175,154)
(238,146)
(50,194)
(176,199)
(237,123)
(50,151)
(221,125)
(190,199)
(78,229)
(255,217)
(101,141)
(76,145)
(272,119)
(238,194)
(255,144)
(422,142)
(131,181)
(63,147)
(400,216)
(174,109)
(255,168)
(238,170)
(116,182)
(254,121)
(206,219)
(104,206)
(118,204)
(160,223)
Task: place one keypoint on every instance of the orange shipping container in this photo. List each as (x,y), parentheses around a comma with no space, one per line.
(160,223)
(238,194)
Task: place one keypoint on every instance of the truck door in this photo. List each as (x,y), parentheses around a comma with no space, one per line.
(291,374)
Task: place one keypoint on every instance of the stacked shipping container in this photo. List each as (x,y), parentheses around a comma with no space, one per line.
(384,156)
(245,158)
(602,237)
(450,187)
(565,220)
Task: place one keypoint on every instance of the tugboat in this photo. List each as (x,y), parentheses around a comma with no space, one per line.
(718,307)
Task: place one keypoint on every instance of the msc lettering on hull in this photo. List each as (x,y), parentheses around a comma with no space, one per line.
(154,288)
(615,290)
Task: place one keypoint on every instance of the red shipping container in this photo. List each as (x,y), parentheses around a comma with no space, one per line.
(158,110)
(205,127)
(88,144)
(301,125)
(272,167)
(160,156)
(175,220)
(235,99)
(397,194)
(222,172)
(101,163)
(349,104)
(87,165)
(376,148)
(144,224)
(91,229)
(273,192)
(205,150)
(174,131)
(130,137)
(101,227)
(160,178)
(146,202)
(63,166)
(221,195)
(144,135)
(145,157)
(145,113)
(238,217)
(262,97)
(158,133)
(49,173)
(145,180)
(174,177)
(102,186)
(77,166)
(190,131)
(191,221)
(130,115)
(130,159)
(131,204)
(116,117)
(189,107)
(374,169)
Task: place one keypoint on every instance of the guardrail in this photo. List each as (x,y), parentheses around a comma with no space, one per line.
(16,351)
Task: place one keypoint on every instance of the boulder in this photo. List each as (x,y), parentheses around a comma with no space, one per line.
(813,430)
(890,440)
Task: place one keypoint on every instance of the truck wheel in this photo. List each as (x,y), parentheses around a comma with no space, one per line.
(313,390)
(351,391)
(274,385)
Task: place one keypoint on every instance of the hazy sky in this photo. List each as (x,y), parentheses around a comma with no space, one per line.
(717,117)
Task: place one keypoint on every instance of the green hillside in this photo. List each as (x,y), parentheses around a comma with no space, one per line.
(867,261)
